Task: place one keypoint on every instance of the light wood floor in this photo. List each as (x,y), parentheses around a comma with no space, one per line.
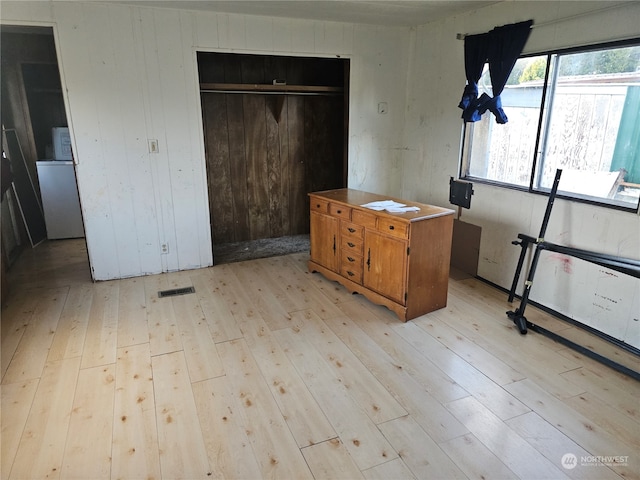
(268,371)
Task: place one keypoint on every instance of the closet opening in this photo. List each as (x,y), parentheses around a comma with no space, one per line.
(275,129)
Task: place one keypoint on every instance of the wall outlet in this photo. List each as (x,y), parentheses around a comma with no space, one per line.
(153,146)
(382,108)
(164,248)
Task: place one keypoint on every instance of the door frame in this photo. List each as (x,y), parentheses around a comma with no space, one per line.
(65,98)
(346,101)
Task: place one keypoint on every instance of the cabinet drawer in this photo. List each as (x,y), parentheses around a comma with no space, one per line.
(392,227)
(351,229)
(319,205)
(351,245)
(352,269)
(352,260)
(340,211)
(363,218)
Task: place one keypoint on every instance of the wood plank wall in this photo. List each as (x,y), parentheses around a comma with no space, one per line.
(266,152)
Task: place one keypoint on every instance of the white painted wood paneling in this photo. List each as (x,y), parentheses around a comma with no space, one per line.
(302,39)
(375,148)
(27,13)
(185,159)
(282,29)
(155,127)
(206,31)
(593,295)
(231,30)
(198,179)
(134,160)
(258,33)
(84,95)
(109,188)
(130,75)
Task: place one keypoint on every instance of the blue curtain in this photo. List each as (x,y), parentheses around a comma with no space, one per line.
(500,48)
(475,56)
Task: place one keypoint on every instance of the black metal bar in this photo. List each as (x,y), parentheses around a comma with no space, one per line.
(620,264)
(597,333)
(552,199)
(518,316)
(624,265)
(524,244)
(585,351)
(528,238)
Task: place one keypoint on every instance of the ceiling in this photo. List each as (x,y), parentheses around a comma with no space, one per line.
(374,12)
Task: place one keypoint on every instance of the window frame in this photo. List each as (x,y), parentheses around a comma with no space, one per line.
(467,130)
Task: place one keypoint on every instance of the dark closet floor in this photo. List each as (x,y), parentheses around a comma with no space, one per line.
(266,247)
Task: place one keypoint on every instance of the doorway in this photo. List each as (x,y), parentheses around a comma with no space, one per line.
(34,122)
(275,129)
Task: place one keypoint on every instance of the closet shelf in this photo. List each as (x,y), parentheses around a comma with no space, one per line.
(270,89)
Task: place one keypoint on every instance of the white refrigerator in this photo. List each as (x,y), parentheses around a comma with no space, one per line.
(60,200)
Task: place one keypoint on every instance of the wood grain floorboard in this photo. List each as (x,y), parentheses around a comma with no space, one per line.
(329,460)
(89,439)
(30,354)
(135,449)
(180,441)
(223,429)
(164,334)
(269,371)
(101,341)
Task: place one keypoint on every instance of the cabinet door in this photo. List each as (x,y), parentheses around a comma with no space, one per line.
(385,261)
(324,241)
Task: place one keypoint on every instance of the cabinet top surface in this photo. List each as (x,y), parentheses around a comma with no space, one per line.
(356,198)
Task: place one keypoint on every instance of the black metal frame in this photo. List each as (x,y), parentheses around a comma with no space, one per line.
(619,264)
(518,316)
(624,265)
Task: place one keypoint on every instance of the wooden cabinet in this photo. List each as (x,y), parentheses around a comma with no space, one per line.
(399,260)
(386,265)
(324,239)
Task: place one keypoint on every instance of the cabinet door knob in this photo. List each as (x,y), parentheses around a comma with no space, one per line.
(351,259)
(351,244)
(339,211)
(317,205)
(351,229)
(351,274)
(391,227)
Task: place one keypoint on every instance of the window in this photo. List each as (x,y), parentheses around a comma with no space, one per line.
(575,110)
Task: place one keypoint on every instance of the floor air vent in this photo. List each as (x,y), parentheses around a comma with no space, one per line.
(176,291)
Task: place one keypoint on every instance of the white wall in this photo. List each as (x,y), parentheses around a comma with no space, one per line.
(594,295)
(130,75)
